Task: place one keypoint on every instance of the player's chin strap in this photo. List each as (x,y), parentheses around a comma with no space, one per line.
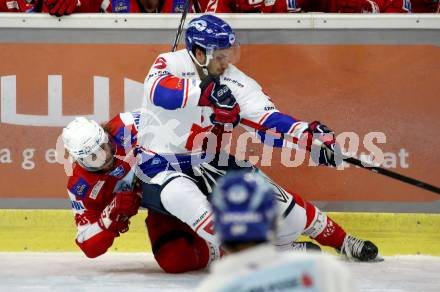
(204,66)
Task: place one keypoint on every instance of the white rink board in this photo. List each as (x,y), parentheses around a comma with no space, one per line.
(139,272)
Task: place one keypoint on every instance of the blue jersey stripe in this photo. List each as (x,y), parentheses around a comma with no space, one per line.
(281,123)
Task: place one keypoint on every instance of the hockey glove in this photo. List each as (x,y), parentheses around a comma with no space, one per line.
(329,153)
(62,7)
(219,97)
(115,216)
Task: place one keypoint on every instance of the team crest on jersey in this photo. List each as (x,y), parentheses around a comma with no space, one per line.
(178,6)
(80,188)
(124,137)
(121,6)
(118,172)
(156,161)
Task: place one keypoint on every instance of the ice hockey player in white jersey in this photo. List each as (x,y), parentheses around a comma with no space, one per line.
(195,92)
(245,219)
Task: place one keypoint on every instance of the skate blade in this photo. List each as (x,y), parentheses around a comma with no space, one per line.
(377,259)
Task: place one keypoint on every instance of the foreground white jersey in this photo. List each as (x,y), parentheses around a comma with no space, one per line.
(173,117)
(263,269)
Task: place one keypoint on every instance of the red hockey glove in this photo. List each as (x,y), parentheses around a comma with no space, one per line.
(62,7)
(220,99)
(329,153)
(123,206)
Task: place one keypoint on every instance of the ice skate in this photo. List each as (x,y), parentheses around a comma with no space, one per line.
(359,250)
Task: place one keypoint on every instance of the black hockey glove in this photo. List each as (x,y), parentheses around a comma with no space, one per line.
(329,153)
(219,97)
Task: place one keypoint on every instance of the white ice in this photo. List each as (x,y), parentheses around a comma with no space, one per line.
(139,272)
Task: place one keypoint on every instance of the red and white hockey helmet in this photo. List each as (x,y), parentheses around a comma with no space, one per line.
(84,139)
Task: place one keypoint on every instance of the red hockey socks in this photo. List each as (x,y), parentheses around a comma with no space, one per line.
(319,226)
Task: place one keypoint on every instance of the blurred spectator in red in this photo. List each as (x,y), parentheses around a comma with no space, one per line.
(295,6)
(285,6)
(370,6)
(66,7)
(425,6)
(233,6)
(20,6)
(147,6)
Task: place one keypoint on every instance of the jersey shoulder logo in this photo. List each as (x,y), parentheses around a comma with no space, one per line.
(160,63)
(124,137)
(80,188)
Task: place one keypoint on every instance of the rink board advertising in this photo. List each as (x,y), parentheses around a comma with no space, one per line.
(385,95)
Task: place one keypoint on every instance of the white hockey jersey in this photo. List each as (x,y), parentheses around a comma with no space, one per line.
(264,269)
(173,117)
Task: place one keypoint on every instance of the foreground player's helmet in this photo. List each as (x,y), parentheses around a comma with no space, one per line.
(244,208)
(210,33)
(84,140)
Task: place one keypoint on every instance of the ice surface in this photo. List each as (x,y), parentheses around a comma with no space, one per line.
(139,272)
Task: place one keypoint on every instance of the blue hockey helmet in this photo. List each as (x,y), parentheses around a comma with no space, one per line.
(211,33)
(244,208)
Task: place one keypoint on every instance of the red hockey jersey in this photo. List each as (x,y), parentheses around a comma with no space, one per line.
(91,192)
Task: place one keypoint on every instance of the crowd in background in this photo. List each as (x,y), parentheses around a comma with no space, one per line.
(66,7)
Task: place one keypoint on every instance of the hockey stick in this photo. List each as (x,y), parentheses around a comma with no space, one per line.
(348,159)
(180,28)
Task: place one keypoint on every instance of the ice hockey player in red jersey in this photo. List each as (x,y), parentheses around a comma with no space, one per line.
(66,7)
(369,6)
(101,189)
(104,196)
(295,6)
(198,91)
(145,6)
